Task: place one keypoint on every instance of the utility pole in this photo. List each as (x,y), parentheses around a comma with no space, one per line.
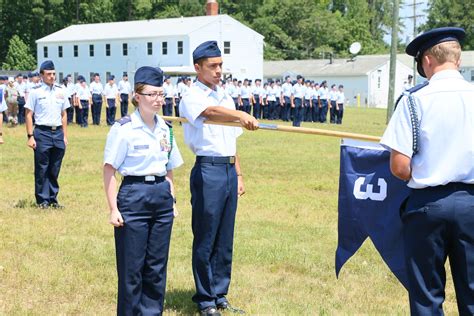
(393,59)
(415,33)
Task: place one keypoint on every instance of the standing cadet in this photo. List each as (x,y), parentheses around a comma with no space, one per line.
(3,107)
(316,102)
(48,104)
(287,91)
(169,97)
(11,95)
(278,101)
(324,100)
(257,98)
(234,91)
(70,88)
(271,101)
(141,147)
(332,105)
(21,87)
(112,96)
(341,98)
(84,101)
(216,179)
(408,84)
(125,91)
(431,137)
(308,101)
(97,91)
(245,96)
(297,101)
(3,86)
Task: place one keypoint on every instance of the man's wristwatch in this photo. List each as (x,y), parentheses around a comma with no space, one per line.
(29,135)
(174,200)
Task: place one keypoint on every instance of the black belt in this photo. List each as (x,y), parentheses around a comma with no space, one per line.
(49,128)
(216,160)
(143,179)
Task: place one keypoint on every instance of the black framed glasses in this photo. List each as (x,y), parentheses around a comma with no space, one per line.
(153,95)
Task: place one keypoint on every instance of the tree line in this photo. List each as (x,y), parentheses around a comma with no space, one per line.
(293,29)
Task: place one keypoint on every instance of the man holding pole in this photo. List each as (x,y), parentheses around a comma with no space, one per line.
(216,178)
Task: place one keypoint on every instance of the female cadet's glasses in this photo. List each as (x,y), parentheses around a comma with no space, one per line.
(153,95)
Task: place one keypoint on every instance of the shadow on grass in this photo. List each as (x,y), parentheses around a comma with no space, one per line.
(25,203)
(179,300)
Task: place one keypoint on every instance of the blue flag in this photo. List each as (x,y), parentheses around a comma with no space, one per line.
(369,202)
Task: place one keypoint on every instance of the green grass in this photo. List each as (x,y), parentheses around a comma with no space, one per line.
(63,261)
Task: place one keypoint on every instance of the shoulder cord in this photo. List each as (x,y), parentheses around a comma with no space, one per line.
(171,142)
(414,123)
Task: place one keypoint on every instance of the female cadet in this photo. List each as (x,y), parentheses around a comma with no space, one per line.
(142,149)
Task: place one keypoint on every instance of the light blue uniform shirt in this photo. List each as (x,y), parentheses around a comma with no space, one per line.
(445,110)
(324,93)
(277,90)
(316,94)
(299,91)
(135,150)
(3,104)
(308,93)
(47,104)
(287,89)
(234,91)
(245,92)
(168,90)
(96,88)
(206,139)
(333,95)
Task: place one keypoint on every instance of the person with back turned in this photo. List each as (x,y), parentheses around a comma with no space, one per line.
(431,138)
(216,178)
(47,103)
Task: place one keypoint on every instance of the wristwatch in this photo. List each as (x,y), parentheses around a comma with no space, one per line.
(29,135)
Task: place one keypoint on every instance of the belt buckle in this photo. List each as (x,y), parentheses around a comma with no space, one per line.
(149,178)
(53,128)
(232,160)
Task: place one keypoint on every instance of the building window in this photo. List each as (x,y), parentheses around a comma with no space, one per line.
(226,47)
(76,50)
(180,47)
(107,75)
(124,73)
(45,52)
(107,49)
(125,49)
(164,48)
(60,51)
(472,75)
(91,50)
(61,77)
(91,76)
(150,48)
(76,74)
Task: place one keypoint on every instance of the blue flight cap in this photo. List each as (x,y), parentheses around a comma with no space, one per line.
(149,75)
(299,77)
(30,75)
(111,77)
(430,38)
(96,74)
(206,50)
(47,65)
(81,78)
(36,74)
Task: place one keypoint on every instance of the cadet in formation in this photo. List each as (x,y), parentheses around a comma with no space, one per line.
(125,91)
(47,105)
(431,138)
(141,147)
(216,178)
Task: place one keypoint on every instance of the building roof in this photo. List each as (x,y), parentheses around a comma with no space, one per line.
(361,66)
(135,29)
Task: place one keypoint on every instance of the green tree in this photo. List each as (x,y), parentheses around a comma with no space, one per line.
(458,13)
(18,56)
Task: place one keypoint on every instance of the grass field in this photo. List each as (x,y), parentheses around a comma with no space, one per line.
(63,261)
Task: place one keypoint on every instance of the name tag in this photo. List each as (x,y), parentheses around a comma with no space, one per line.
(138,147)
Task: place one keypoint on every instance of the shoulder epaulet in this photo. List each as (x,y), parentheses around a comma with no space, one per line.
(36,87)
(410,91)
(124,120)
(57,85)
(168,123)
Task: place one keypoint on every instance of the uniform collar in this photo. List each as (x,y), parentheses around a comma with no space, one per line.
(137,121)
(45,87)
(446,74)
(217,94)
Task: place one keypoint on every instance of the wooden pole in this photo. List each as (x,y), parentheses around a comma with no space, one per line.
(290,129)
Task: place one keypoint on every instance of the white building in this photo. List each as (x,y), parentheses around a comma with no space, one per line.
(366,76)
(122,47)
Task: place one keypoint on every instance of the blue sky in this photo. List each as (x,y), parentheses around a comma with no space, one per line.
(406,11)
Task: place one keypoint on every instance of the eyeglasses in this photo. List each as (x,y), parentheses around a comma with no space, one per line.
(153,95)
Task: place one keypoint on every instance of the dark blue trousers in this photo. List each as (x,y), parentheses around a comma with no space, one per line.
(176,107)
(339,113)
(236,103)
(123,104)
(286,110)
(78,115)
(21,110)
(142,246)
(315,111)
(271,107)
(214,205)
(298,112)
(96,108)
(307,117)
(84,113)
(111,109)
(277,109)
(438,222)
(49,153)
(70,112)
(257,107)
(246,105)
(323,111)
(168,107)
(332,112)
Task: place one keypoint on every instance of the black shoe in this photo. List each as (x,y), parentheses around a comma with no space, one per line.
(56,205)
(211,310)
(43,205)
(228,308)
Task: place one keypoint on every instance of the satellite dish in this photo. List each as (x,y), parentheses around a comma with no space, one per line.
(355,48)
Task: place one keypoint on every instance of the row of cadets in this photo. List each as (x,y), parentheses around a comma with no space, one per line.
(170,102)
(83,101)
(97,91)
(125,90)
(112,97)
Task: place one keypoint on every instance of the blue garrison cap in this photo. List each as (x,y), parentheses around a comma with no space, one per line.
(47,65)
(3,78)
(30,75)
(36,74)
(111,77)
(81,78)
(206,50)
(96,74)
(430,38)
(149,75)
